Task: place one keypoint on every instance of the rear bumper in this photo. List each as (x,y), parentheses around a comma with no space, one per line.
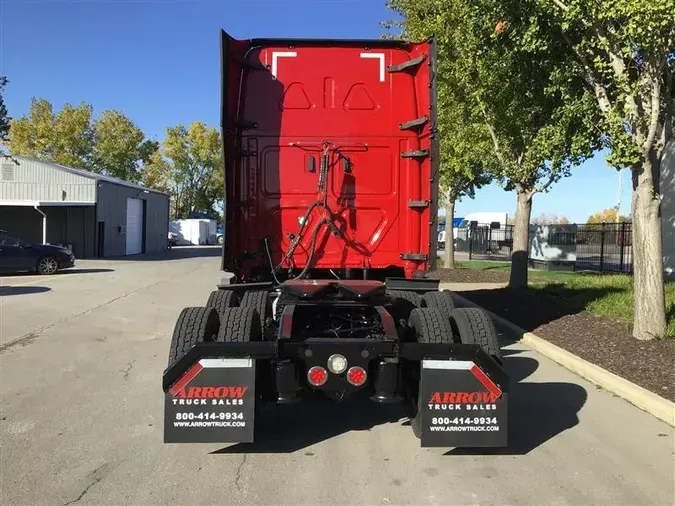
(212,393)
(314,351)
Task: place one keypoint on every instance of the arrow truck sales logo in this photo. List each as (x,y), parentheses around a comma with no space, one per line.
(205,395)
(458,401)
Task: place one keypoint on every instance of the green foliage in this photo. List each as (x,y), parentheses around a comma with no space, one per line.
(626,53)
(467,158)
(504,70)
(66,138)
(120,149)
(4,118)
(195,165)
(607,216)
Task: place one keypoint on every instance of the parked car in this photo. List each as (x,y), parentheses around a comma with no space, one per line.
(220,235)
(17,255)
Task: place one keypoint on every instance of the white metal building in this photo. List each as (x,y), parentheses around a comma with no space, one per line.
(96,215)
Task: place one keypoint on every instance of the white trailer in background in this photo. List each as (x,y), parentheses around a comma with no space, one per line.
(195,232)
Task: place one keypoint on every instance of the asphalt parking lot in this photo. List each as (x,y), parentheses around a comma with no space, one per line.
(81,359)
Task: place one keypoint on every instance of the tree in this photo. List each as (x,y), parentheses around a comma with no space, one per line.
(66,138)
(111,144)
(4,117)
(195,159)
(509,70)
(607,216)
(550,219)
(625,51)
(120,149)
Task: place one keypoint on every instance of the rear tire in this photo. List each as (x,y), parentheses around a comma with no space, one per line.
(439,300)
(239,325)
(430,326)
(474,326)
(403,302)
(194,325)
(260,301)
(220,300)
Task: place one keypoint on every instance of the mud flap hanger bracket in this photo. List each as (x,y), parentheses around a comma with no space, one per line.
(386,348)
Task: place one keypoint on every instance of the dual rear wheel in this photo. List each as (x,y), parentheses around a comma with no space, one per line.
(225,318)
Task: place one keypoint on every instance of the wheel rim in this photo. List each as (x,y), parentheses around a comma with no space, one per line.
(48,265)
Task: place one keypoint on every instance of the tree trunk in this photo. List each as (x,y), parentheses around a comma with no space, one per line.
(521,239)
(649,301)
(449,239)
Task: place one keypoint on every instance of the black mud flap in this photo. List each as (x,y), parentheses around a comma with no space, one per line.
(461,405)
(212,402)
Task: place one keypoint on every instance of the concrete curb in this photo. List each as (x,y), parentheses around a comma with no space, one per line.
(661,408)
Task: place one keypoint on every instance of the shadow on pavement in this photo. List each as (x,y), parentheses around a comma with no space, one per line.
(22,290)
(289,428)
(74,270)
(531,308)
(537,413)
(175,253)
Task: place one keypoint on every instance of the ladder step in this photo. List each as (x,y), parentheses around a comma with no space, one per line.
(408,64)
(408,125)
(415,153)
(418,204)
(413,256)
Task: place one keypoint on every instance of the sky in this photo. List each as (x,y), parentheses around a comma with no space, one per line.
(158,62)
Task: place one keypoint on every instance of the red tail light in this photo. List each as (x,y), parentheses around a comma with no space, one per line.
(317,376)
(356,376)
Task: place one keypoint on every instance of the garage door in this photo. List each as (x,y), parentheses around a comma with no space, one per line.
(134,226)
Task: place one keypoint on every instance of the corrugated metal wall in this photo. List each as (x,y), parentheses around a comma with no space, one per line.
(112,210)
(72,225)
(32,180)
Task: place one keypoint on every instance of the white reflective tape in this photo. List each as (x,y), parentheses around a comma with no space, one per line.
(280,54)
(226,362)
(455,365)
(380,56)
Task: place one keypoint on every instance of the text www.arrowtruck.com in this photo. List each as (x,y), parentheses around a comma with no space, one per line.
(471,428)
(209,424)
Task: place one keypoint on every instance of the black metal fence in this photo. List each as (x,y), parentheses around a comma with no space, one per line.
(484,242)
(602,247)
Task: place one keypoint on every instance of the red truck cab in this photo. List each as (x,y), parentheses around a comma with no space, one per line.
(331,158)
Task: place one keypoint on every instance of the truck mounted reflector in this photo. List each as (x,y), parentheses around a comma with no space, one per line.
(317,376)
(356,376)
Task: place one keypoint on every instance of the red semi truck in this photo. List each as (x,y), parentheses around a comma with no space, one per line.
(331,172)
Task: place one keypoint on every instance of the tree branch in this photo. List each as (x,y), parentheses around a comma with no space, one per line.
(600,93)
(619,67)
(654,117)
(548,183)
(560,5)
(495,141)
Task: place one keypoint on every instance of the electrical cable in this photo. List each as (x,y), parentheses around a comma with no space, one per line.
(269,257)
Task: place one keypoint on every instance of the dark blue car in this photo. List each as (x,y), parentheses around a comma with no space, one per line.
(17,255)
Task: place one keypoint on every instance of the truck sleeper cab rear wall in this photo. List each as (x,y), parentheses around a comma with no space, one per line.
(367,108)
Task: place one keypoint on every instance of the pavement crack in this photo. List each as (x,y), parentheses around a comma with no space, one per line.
(130,366)
(30,337)
(237,477)
(86,489)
